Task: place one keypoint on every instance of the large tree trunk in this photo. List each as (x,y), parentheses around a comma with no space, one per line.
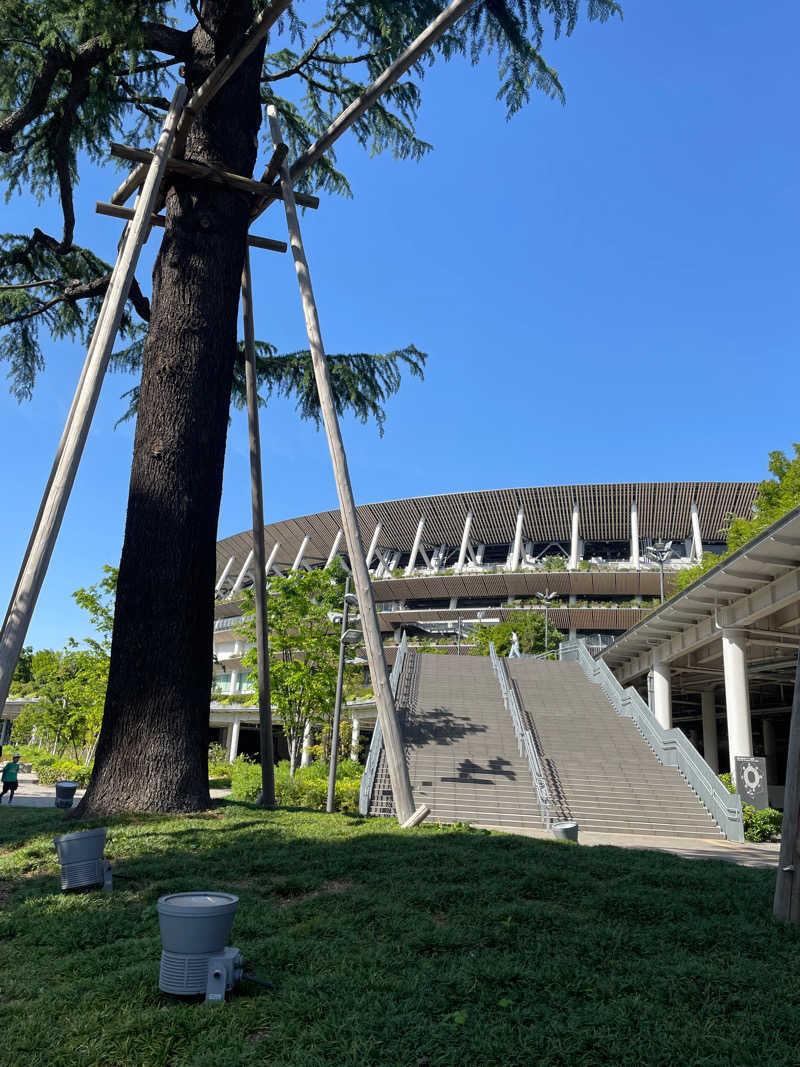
(152,750)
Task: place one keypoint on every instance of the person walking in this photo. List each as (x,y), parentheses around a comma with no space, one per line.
(514,645)
(10,773)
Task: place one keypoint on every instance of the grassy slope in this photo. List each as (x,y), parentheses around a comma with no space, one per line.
(425,947)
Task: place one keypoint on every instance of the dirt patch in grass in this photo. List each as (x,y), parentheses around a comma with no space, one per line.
(333,885)
(258,1035)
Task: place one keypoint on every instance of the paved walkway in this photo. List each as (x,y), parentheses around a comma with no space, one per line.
(747,854)
(32,794)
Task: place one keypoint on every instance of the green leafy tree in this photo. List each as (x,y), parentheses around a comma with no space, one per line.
(74,76)
(23,670)
(304,648)
(775,497)
(529,626)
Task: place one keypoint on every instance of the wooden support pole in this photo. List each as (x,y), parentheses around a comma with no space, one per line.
(787,885)
(208,172)
(260,583)
(384,700)
(51,513)
(353,112)
(117,212)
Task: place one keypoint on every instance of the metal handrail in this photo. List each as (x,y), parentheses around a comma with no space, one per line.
(672,747)
(376,744)
(525,741)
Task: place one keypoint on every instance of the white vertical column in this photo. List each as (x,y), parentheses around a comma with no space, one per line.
(574,551)
(462,555)
(240,578)
(513,562)
(737,695)
(373,545)
(271,558)
(710,743)
(233,681)
(412,559)
(334,547)
(224,575)
(662,695)
(635,534)
(696,538)
(354,739)
(305,758)
(233,739)
(298,559)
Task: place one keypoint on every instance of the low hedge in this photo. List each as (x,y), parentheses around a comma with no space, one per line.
(308,788)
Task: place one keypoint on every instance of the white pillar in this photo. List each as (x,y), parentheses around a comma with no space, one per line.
(271,558)
(233,739)
(305,758)
(696,538)
(513,562)
(574,551)
(298,559)
(334,547)
(373,545)
(453,603)
(710,745)
(355,739)
(412,559)
(737,696)
(635,534)
(224,575)
(662,695)
(573,633)
(462,555)
(237,584)
(233,681)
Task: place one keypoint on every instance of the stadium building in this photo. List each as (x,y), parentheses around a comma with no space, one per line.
(440,564)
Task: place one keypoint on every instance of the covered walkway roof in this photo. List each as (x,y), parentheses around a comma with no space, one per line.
(755,591)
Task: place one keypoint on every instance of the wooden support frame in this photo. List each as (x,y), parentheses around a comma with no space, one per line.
(786,903)
(384,700)
(73,439)
(116,211)
(207,172)
(267,799)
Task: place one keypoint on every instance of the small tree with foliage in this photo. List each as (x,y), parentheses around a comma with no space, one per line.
(530,630)
(304,648)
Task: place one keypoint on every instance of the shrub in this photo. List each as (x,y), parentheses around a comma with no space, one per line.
(308,788)
(764,825)
(218,763)
(51,770)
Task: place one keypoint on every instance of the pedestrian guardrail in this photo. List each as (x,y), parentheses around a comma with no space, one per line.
(525,741)
(376,744)
(672,747)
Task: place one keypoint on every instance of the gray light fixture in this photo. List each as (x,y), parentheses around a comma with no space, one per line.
(195,958)
(81,858)
(352,637)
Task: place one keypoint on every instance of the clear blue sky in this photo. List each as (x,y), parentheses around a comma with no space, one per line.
(607,292)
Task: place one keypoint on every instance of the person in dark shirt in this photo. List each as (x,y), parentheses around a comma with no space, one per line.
(10,773)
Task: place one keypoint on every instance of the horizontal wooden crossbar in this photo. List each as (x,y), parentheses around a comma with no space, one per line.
(209,172)
(117,211)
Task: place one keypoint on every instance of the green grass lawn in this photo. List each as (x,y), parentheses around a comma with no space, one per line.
(411,948)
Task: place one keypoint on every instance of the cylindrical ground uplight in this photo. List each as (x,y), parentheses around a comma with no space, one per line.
(65,793)
(194,927)
(81,858)
(565,831)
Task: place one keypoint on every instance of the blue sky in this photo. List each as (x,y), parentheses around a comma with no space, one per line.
(607,292)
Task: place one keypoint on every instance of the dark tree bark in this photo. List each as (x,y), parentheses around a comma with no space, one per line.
(152,750)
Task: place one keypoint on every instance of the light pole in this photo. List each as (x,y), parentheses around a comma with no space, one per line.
(661,551)
(348,637)
(546,599)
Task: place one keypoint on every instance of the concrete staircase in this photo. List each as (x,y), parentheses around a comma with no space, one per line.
(600,770)
(460,745)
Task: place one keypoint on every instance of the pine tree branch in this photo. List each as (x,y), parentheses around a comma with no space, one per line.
(54,62)
(166,39)
(74,291)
